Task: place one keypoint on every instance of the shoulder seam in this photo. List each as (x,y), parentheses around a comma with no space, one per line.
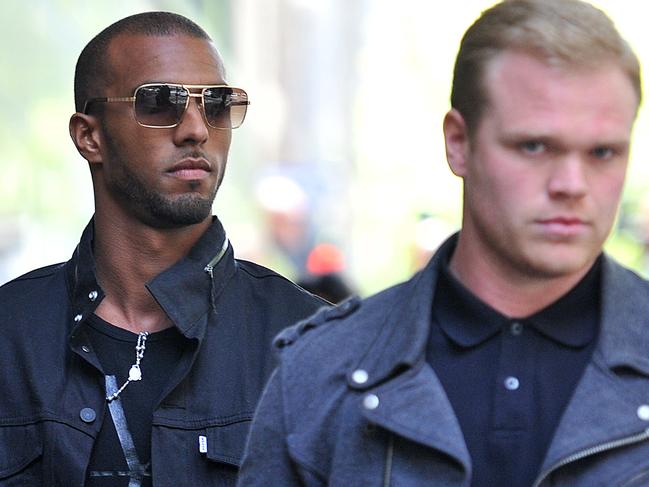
(39,273)
(325,315)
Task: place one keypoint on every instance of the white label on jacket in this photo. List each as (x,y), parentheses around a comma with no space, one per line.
(202,444)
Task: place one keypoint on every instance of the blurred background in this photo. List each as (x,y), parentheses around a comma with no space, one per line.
(339,170)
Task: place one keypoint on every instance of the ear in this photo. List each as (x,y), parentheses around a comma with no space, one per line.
(86,134)
(457,143)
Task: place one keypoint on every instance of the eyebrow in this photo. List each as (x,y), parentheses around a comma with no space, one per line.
(518,136)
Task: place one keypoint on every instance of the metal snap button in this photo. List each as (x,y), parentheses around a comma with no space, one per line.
(92,295)
(77,318)
(643,412)
(516,328)
(87,415)
(85,348)
(360,376)
(512,383)
(371,401)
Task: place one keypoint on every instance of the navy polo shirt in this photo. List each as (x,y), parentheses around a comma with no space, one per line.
(509,379)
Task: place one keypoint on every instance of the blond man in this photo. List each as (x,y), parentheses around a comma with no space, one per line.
(517,357)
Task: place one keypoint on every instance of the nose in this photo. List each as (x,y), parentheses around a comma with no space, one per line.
(568,178)
(192,129)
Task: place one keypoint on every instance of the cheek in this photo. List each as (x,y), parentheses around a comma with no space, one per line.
(219,142)
(152,150)
(608,201)
(503,185)
(607,189)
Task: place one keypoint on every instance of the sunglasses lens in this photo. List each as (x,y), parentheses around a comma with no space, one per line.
(160,105)
(225,107)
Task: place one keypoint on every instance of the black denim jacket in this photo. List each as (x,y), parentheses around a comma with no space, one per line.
(52,386)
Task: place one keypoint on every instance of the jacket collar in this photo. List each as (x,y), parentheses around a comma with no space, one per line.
(624,340)
(81,279)
(606,407)
(401,340)
(402,337)
(185,291)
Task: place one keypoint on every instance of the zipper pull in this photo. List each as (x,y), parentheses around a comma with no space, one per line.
(209,268)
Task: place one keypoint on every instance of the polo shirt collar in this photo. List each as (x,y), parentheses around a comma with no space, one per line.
(571,321)
(461,315)
(406,315)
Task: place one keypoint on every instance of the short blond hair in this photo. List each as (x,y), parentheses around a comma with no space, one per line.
(559,32)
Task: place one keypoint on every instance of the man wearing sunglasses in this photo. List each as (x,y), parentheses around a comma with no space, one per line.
(520,355)
(141,359)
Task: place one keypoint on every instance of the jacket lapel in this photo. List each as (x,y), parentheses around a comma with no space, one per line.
(414,405)
(602,410)
(606,405)
(411,401)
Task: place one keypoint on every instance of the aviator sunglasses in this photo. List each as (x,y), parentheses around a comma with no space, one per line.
(162,105)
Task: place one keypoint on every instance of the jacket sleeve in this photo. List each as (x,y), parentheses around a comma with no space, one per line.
(266,459)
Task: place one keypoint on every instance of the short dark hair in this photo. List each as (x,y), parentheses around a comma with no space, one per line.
(93,70)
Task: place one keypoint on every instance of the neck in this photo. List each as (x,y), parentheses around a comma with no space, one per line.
(129,254)
(511,291)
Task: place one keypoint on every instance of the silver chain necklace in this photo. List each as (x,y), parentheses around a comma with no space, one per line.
(134,373)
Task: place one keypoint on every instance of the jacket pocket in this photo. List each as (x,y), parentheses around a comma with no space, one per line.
(221,454)
(225,444)
(21,451)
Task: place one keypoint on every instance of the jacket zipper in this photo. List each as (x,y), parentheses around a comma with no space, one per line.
(638,476)
(594,450)
(209,268)
(387,473)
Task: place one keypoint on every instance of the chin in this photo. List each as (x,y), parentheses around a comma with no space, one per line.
(179,212)
(561,264)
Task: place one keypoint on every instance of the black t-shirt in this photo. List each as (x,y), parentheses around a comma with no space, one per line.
(122,451)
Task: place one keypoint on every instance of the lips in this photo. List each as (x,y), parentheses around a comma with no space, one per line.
(562,220)
(191,168)
(563,226)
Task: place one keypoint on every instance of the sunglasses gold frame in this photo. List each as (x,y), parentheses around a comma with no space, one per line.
(111,99)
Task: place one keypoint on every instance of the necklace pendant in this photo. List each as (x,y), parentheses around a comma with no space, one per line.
(135,373)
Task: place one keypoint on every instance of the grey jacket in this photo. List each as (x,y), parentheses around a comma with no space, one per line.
(354,401)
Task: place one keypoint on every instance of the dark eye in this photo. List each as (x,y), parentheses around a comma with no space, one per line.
(217,101)
(533,147)
(155,99)
(603,153)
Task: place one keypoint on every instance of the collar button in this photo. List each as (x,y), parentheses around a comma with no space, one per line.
(512,383)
